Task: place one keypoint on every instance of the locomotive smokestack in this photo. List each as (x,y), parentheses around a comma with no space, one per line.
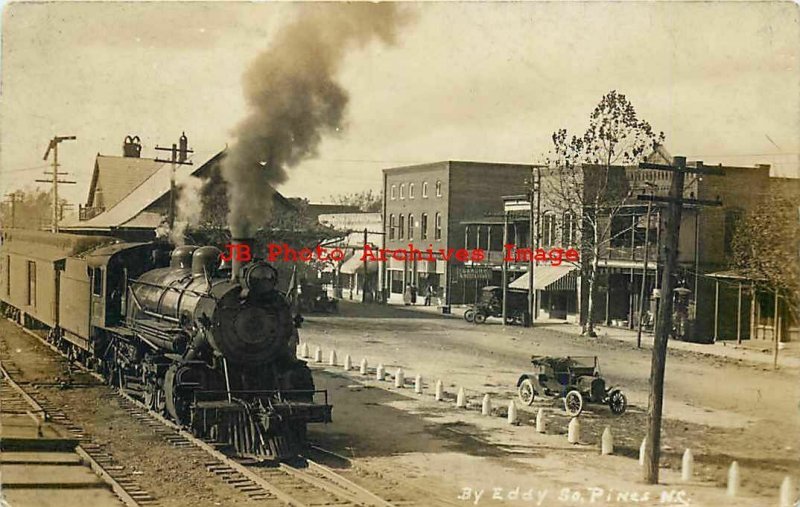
(236,263)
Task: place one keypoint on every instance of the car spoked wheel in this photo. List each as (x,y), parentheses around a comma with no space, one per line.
(480,318)
(617,402)
(526,392)
(573,403)
(469,315)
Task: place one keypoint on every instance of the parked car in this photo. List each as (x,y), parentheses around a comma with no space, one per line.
(490,304)
(575,379)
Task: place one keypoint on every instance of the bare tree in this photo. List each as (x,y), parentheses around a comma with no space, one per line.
(367,201)
(586,177)
(28,209)
(764,247)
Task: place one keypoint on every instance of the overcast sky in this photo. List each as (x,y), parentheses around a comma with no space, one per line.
(465,81)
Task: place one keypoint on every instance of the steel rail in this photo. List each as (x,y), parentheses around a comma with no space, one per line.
(332,482)
(96,467)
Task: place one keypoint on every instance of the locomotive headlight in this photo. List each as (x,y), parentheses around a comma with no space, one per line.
(259,277)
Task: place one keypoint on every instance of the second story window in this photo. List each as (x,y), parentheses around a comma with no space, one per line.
(410,190)
(424,189)
(402,191)
(401,227)
(423,225)
(438,226)
(438,189)
(393,192)
(548,229)
(391,226)
(410,226)
(569,228)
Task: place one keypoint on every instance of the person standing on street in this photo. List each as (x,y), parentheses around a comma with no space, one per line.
(413,294)
(407,295)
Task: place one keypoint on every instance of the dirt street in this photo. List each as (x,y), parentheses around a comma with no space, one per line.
(723,410)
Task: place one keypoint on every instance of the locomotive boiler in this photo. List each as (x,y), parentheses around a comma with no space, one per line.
(221,353)
(210,346)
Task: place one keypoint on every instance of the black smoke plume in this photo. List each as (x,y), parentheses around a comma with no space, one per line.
(294,99)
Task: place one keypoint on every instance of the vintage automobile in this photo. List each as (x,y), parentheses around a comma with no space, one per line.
(576,379)
(490,304)
(313,299)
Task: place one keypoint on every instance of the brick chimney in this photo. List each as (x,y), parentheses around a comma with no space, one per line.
(132,147)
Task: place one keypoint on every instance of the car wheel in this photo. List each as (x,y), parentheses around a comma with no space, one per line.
(469,315)
(617,402)
(480,318)
(573,403)
(525,392)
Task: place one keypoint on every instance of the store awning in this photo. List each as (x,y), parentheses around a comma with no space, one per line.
(549,278)
(355,265)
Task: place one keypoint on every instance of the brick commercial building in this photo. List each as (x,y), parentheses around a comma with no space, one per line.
(426,205)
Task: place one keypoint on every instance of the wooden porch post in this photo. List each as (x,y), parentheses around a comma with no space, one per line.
(716,309)
(739,317)
(753,300)
(775,332)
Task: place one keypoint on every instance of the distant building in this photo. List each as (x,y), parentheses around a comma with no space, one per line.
(347,277)
(130,195)
(427,205)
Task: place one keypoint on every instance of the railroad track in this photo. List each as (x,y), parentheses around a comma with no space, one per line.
(302,484)
(18,399)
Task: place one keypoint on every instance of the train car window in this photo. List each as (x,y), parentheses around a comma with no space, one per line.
(97,282)
(31,283)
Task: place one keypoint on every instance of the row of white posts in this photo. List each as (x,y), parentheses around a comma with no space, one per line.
(573,430)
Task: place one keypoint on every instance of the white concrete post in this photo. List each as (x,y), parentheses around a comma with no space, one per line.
(787,492)
(364,366)
(512,412)
(348,363)
(642,450)
(318,355)
(418,384)
(540,421)
(399,378)
(304,351)
(439,391)
(607,442)
(379,372)
(486,406)
(687,466)
(733,479)
(461,398)
(332,359)
(574,431)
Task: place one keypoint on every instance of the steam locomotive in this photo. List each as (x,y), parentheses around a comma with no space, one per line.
(209,345)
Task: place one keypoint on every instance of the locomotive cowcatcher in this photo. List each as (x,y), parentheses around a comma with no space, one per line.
(212,347)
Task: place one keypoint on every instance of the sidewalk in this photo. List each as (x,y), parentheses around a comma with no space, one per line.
(759,352)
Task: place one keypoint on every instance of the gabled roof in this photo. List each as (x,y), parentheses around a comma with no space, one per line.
(134,210)
(131,210)
(116,177)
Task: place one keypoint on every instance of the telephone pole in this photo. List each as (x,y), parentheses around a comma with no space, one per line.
(178,157)
(53,146)
(675,203)
(12,202)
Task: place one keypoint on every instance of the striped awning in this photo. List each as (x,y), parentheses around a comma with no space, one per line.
(355,265)
(550,278)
